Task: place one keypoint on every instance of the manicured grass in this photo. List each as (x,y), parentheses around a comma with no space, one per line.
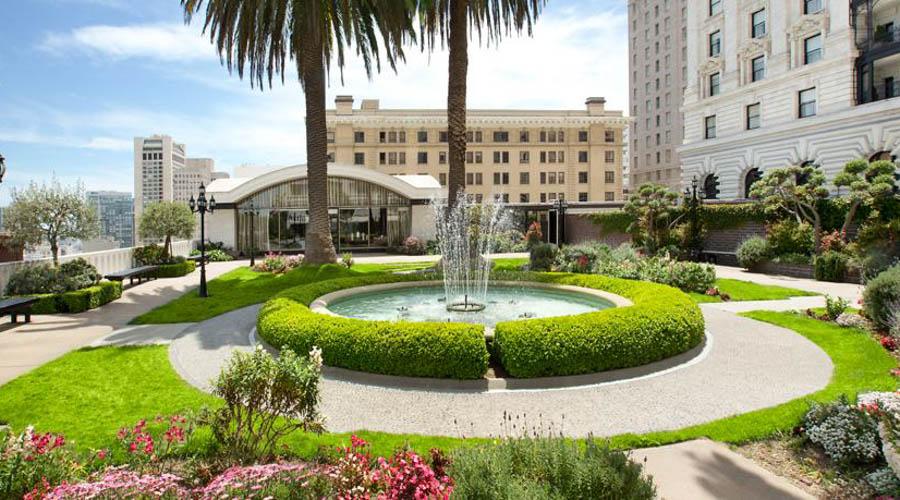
(860,365)
(745,290)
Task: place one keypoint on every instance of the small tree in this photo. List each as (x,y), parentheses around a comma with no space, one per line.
(654,210)
(50,212)
(780,190)
(165,220)
(869,183)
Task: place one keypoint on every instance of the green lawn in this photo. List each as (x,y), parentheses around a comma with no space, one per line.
(89,394)
(746,290)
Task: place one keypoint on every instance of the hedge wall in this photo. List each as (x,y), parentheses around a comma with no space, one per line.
(414,349)
(78,300)
(177,269)
(718,216)
(662,322)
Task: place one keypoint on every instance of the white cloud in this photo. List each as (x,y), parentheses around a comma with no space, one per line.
(166,42)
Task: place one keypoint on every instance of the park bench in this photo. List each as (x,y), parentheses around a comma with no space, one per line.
(16,306)
(196,258)
(713,256)
(139,273)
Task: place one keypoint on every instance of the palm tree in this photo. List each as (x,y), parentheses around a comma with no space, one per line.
(448,21)
(263,35)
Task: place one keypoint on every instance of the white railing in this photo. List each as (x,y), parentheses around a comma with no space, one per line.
(106,261)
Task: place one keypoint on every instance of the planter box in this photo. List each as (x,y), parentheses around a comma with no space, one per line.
(799,271)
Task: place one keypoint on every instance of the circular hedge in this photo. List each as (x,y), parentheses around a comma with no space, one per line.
(662,322)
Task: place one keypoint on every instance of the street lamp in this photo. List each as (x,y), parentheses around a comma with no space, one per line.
(560,205)
(201,206)
(252,212)
(2,168)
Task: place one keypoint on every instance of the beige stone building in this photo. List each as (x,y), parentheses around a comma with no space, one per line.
(522,156)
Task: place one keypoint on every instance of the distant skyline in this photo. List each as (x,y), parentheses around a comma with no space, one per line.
(80,78)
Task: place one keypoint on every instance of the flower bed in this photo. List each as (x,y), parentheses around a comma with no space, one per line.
(78,301)
(662,322)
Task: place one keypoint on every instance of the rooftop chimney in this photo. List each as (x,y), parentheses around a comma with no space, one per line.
(343,104)
(595,105)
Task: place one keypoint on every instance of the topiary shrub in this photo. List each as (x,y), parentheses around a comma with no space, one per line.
(148,255)
(882,296)
(542,256)
(831,266)
(77,301)
(790,237)
(662,322)
(752,252)
(182,268)
(46,279)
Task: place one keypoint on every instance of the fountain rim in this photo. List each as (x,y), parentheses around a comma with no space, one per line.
(320,304)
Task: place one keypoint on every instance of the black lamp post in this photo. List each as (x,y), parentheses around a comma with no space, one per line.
(693,201)
(252,212)
(202,206)
(560,205)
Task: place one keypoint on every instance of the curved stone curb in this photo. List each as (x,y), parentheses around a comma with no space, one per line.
(750,365)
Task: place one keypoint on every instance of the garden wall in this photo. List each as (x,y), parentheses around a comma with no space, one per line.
(106,262)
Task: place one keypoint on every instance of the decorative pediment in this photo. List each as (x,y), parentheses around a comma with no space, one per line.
(809,24)
(755,47)
(712,65)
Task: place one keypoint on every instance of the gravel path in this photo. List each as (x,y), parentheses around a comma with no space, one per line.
(749,365)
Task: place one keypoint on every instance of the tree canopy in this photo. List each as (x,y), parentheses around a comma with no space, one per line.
(796,191)
(167,220)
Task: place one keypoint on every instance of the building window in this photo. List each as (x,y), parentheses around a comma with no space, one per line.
(582,136)
(582,197)
(524,178)
(812,49)
(442,178)
(442,157)
(501,178)
(758,19)
(751,177)
(582,157)
(524,157)
(524,198)
(610,136)
(609,196)
(422,136)
(609,177)
(474,136)
(479,178)
(524,136)
(359,137)
(501,156)
(812,6)
(543,177)
(422,158)
(710,122)
(714,84)
(715,43)
(807,103)
(543,197)
(609,156)
(442,136)
(753,116)
(329,136)
(359,158)
(582,177)
(711,187)
(715,7)
(561,177)
(759,68)
(501,136)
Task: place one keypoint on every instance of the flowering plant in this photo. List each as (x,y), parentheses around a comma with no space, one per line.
(114,483)
(277,263)
(28,457)
(144,444)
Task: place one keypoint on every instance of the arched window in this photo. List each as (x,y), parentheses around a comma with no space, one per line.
(804,178)
(711,187)
(750,177)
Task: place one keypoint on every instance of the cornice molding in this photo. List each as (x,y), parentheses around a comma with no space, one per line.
(413,121)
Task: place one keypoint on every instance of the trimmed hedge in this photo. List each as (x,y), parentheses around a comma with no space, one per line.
(662,322)
(177,269)
(413,349)
(78,300)
(712,216)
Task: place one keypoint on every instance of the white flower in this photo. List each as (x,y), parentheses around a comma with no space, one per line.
(315,355)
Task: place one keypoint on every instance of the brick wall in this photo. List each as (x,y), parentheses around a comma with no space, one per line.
(580,229)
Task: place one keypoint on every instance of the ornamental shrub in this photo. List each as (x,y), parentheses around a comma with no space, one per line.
(752,252)
(29,457)
(790,237)
(179,268)
(78,301)
(266,398)
(148,255)
(662,322)
(77,274)
(881,296)
(542,256)
(412,246)
(581,258)
(44,278)
(831,266)
(847,434)
(547,468)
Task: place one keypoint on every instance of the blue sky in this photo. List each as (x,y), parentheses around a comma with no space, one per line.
(80,78)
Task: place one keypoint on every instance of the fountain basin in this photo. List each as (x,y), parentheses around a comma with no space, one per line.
(505,301)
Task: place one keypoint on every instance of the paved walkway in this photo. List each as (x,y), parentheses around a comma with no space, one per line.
(26,346)
(748,365)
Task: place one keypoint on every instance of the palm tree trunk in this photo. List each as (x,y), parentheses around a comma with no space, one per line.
(456,98)
(319,247)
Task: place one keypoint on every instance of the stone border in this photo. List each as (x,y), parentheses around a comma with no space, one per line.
(320,305)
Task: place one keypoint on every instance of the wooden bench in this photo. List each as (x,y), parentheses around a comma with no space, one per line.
(16,306)
(712,256)
(140,273)
(196,258)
